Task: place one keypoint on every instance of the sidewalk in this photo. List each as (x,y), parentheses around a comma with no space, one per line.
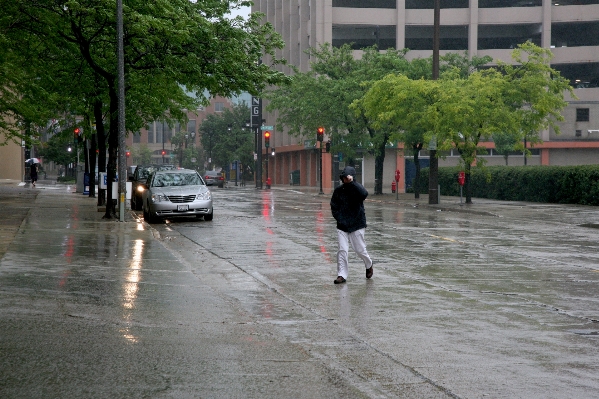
(96,308)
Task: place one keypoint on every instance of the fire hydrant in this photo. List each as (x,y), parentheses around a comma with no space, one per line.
(268,182)
(393,186)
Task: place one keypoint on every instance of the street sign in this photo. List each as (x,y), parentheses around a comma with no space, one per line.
(264,127)
(256,111)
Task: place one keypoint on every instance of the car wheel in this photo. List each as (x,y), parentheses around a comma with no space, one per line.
(208,217)
(148,216)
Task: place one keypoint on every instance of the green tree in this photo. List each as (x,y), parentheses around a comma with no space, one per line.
(57,149)
(504,144)
(174,50)
(141,155)
(228,137)
(461,111)
(322,97)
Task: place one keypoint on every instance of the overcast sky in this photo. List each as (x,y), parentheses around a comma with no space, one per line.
(244,12)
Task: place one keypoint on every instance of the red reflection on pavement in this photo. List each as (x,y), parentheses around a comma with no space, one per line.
(69,251)
(320,234)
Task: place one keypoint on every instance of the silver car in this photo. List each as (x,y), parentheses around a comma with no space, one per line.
(178,192)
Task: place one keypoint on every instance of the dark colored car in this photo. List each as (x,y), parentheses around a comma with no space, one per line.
(212,177)
(138,180)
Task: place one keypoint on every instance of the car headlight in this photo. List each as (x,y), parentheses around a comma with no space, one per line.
(159,197)
(140,189)
(204,196)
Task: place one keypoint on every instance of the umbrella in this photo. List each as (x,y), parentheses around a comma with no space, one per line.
(32,160)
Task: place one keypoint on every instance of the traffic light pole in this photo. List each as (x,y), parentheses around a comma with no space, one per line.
(259,158)
(320,139)
(320,167)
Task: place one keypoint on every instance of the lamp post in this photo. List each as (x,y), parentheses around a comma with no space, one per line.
(247,125)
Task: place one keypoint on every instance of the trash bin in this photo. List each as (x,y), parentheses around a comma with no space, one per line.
(294,178)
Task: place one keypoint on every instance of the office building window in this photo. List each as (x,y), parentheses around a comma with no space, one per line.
(509,3)
(364,3)
(136,137)
(219,107)
(452,37)
(159,132)
(575,34)
(582,114)
(581,76)
(507,36)
(430,4)
(361,36)
(191,126)
(151,133)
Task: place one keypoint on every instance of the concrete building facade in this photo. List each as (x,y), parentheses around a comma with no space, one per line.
(570,28)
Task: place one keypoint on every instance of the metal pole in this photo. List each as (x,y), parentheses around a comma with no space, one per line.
(433,193)
(121,110)
(320,167)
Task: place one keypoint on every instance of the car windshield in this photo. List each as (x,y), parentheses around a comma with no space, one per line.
(176,179)
(143,173)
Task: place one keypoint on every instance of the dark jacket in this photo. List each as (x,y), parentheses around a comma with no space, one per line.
(347,204)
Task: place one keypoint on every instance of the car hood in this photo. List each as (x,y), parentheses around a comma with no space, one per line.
(180,190)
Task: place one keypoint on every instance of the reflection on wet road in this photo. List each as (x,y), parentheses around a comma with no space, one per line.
(501,302)
(496,300)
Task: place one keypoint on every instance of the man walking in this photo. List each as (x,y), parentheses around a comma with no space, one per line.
(347,206)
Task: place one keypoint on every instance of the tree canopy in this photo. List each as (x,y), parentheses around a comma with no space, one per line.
(177,54)
(324,97)
(227,137)
(459,112)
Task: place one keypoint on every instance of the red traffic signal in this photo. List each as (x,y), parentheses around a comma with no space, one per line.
(163,153)
(267,139)
(320,134)
(127,154)
(77,131)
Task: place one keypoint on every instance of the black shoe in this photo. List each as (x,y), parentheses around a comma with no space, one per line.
(339,280)
(369,271)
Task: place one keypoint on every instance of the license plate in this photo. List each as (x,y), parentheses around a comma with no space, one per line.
(182,208)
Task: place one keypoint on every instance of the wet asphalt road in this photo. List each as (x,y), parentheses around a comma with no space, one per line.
(494,300)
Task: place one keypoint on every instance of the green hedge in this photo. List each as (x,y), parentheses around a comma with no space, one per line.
(554,184)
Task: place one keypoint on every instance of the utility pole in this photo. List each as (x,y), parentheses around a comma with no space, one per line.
(122,169)
(256,110)
(433,178)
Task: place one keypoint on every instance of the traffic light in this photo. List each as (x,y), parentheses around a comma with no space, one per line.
(163,153)
(267,139)
(127,154)
(320,134)
(327,146)
(77,131)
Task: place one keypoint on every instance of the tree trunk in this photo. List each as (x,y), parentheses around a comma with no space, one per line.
(417,149)
(92,165)
(101,135)
(112,155)
(468,185)
(378,169)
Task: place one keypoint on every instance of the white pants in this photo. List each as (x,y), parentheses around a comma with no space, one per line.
(358,244)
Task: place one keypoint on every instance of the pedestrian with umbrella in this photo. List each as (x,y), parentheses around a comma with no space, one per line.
(33,169)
